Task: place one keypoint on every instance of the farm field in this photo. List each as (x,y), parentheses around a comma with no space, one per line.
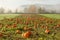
(56,16)
(2,16)
(29,26)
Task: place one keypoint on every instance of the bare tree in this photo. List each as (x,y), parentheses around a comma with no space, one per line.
(31,9)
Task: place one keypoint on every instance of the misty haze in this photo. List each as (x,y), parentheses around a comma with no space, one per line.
(29,6)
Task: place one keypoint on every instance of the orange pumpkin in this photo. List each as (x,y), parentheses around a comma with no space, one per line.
(18,31)
(58,25)
(1,34)
(47,31)
(8,26)
(26,34)
(28,18)
(26,22)
(14,25)
(46,27)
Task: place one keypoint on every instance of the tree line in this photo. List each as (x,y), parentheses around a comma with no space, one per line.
(31,9)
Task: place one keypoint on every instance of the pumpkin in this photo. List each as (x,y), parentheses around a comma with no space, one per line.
(1,34)
(14,25)
(8,26)
(58,25)
(47,31)
(46,27)
(18,31)
(26,34)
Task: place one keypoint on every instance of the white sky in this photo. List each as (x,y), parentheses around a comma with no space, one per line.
(13,4)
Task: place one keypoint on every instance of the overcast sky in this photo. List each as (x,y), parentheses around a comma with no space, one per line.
(13,4)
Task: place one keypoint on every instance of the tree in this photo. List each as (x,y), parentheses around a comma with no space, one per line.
(2,10)
(31,9)
(41,10)
(53,11)
(16,11)
(9,11)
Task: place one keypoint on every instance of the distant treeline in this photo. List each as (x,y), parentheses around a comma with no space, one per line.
(31,9)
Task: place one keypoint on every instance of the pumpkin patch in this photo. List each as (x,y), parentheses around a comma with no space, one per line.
(26,34)
(30,27)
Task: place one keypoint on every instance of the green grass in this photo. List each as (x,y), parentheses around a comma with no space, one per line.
(56,16)
(2,16)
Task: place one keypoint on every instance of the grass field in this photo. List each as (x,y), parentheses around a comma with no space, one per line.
(56,16)
(29,27)
(2,16)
